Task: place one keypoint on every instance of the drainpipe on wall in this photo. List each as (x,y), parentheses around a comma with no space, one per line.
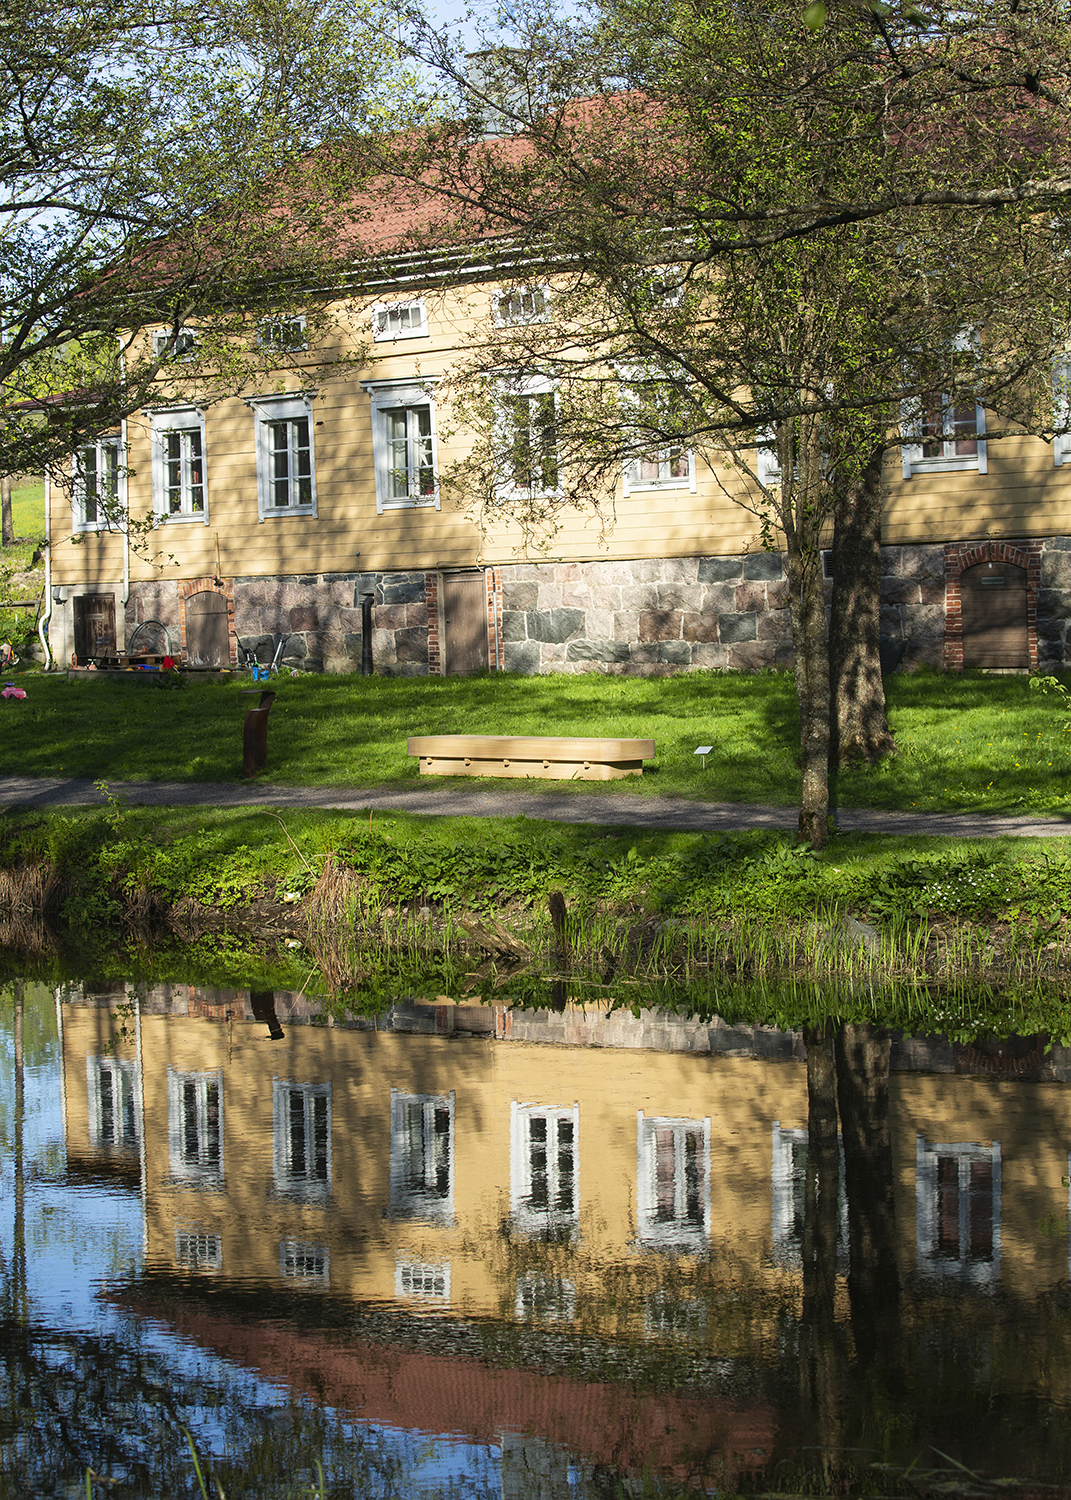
(367,600)
(126,539)
(42,624)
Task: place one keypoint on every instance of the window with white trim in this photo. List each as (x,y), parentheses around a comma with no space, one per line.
(175,343)
(521,305)
(179,491)
(198,1249)
(308,1264)
(301,1132)
(957,1206)
(944,431)
(529,437)
(1061,410)
(673,1183)
(114,1108)
(544,1169)
(788,1194)
(99,494)
(286,467)
(422,1156)
(288,335)
(195,1127)
(540,1298)
(404,444)
(399,320)
(421,1280)
(664,465)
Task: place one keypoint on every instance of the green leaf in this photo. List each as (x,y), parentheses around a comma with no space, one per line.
(814,17)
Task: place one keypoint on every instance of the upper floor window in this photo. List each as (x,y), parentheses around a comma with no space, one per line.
(285,334)
(404,444)
(399,320)
(175,343)
(673,1172)
(957,1203)
(195,1126)
(521,305)
(114,1120)
(301,1128)
(179,489)
(530,438)
(944,430)
(544,1168)
(653,407)
(286,470)
(99,497)
(422,1156)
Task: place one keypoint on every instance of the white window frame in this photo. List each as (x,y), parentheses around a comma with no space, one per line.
(948,461)
(289,1182)
(125,1081)
(677,1233)
(382,333)
(197,1168)
(512,387)
(304,1264)
(555,1218)
(982,1274)
(294,407)
(411,1198)
(175,343)
(785,1180)
(1061,409)
(285,333)
(504,317)
(394,395)
(635,485)
(110,444)
(182,420)
(198,1249)
(540,1297)
(417,1280)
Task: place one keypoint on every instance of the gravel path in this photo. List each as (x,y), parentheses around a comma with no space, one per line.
(447,799)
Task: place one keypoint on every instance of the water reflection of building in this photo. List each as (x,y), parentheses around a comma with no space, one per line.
(634,1183)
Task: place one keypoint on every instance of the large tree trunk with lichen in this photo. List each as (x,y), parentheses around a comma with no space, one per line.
(807,609)
(859,729)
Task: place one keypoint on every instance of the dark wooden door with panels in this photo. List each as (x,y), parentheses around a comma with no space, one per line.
(993,601)
(464,606)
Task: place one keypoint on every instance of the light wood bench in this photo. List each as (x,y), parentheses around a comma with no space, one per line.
(548,758)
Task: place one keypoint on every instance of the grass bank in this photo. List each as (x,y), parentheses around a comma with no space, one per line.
(380,908)
(967,743)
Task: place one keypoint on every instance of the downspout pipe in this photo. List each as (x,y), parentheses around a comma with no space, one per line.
(126,530)
(367,668)
(46,615)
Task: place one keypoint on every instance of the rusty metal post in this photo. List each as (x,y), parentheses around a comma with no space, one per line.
(255,734)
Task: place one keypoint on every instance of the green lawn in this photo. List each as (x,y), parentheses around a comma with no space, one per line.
(971,742)
(28,509)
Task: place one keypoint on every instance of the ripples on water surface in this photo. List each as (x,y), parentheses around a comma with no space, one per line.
(468,1251)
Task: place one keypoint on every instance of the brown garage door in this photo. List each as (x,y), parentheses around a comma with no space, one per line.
(993,597)
(94,625)
(207,636)
(465,621)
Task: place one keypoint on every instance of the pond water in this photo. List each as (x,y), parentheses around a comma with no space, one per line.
(475,1251)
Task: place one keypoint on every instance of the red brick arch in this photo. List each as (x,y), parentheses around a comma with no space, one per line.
(962,555)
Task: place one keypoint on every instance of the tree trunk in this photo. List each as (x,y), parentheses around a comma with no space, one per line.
(7,528)
(808,613)
(859,729)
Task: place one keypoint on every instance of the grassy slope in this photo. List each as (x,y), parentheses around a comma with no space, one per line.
(969,743)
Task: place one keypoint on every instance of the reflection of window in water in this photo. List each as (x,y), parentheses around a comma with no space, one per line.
(789,1184)
(301,1119)
(309,1264)
(195,1126)
(198,1249)
(957,1200)
(422,1155)
(422,1281)
(113,1103)
(666,1316)
(545,1299)
(544,1168)
(673,1170)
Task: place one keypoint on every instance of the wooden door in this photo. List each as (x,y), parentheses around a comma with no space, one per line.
(208,642)
(94,626)
(465,622)
(993,600)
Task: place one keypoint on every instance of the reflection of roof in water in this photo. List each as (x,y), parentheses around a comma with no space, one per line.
(446,1376)
(600,1026)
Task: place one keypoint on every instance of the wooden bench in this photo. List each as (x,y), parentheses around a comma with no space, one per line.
(537,756)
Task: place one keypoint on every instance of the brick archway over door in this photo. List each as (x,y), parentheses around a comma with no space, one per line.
(962,555)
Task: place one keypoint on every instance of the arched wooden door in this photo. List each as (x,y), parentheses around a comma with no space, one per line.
(993,601)
(208,641)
